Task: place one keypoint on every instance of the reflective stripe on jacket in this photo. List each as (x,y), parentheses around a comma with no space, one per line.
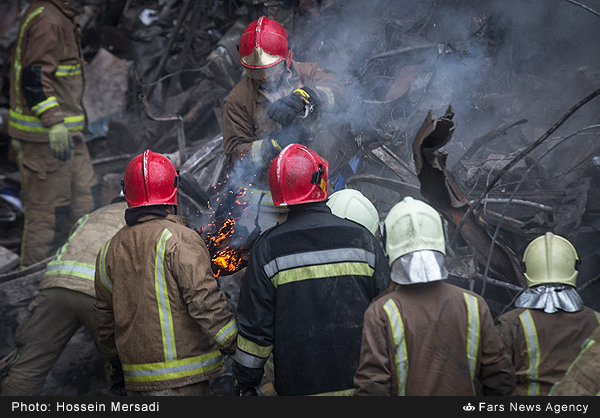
(159,305)
(431,340)
(47,78)
(543,345)
(74,265)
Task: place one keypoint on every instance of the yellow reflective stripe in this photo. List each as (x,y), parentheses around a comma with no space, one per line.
(330,98)
(400,352)
(533,352)
(597,316)
(71,268)
(168,370)
(103,276)
(473,333)
(253,348)
(34,124)
(256,152)
(226,332)
(162,297)
(108,351)
(321,271)
(253,196)
(347,392)
(41,107)
(276,145)
(68,70)
(18,51)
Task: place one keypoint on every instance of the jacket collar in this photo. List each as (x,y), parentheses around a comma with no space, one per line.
(66,7)
(319,207)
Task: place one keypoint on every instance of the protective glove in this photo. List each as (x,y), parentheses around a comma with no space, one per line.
(246,392)
(61,143)
(117,380)
(301,102)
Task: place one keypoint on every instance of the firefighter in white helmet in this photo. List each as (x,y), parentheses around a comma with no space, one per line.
(352,204)
(424,336)
(545,332)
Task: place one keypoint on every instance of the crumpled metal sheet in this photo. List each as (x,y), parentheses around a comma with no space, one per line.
(441,190)
(550,298)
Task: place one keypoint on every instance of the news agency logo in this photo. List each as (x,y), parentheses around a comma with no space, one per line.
(468,407)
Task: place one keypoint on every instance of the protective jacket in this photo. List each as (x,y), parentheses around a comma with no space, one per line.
(431,339)
(583,375)
(543,345)
(47,78)
(308,283)
(158,307)
(244,110)
(75,262)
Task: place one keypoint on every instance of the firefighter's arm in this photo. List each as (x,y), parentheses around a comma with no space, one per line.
(373,376)
(40,56)
(238,130)
(190,263)
(497,372)
(256,319)
(103,316)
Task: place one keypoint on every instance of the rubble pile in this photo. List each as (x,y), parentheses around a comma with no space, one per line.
(475,107)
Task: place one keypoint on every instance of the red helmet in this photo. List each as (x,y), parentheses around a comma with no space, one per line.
(298,175)
(150,179)
(263,44)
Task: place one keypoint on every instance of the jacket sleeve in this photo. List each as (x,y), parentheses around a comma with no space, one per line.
(190,264)
(40,58)
(238,129)
(497,373)
(374,374)
(103,317)
(329,87)
(256,319)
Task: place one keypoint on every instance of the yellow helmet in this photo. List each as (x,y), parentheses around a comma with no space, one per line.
(550,259)
(413,225)
(352,204)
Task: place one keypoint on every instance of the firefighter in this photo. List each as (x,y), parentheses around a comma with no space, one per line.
(64,302)
(546,330)
(583,375)
(424,336)
(46,123)
(352,204)
(306,287)
(162,320)
(279,102)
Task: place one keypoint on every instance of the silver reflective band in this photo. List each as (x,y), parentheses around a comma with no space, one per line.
(71,268)
(339,255)
(173,369)
(249,360)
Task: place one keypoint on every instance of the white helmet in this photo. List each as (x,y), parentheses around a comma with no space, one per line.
(550,259)
(413,225)
(352,204)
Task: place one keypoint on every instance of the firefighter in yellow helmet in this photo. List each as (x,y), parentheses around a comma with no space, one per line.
(352,204)
(546,330)
(423,336)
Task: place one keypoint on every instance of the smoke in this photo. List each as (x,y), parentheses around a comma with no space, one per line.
(501,61)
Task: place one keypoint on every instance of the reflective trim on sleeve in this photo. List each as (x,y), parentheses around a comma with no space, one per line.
(330,98)
(103,276)
(226,332)
(597,316)
(18,52)
(34,124)
(400,354)
(253,348)
(168,370)
(533,352)
(71,268)
(473,334)
(41,107)
(256,152)
(108,351)
(68,70)
(162,297)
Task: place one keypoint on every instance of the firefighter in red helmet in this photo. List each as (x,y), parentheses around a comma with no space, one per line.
(279,102)
(308,283)
(162,321)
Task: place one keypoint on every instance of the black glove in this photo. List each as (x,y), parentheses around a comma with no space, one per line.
(247,392)
(286,109)
(117,380)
